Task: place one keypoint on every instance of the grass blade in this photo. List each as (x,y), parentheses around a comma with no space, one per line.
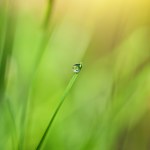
(71,83)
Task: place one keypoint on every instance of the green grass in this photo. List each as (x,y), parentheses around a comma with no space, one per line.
(72,81)
(107,108)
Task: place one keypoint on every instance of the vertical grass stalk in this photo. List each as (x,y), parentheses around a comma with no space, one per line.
(40,52)
(70,84)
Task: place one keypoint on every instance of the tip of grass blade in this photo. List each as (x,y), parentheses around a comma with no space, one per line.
(68,88)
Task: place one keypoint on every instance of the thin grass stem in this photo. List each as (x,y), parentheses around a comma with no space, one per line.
(71,83)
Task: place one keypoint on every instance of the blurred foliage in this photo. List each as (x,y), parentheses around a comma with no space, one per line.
(109,107)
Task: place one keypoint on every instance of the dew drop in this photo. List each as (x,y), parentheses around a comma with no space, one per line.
(77,68)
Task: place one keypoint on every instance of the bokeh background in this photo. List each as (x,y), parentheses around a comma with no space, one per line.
(108,108)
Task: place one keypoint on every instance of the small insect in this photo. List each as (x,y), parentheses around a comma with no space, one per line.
(77,68)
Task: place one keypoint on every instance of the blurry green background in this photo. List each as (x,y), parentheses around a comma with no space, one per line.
(108,108)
